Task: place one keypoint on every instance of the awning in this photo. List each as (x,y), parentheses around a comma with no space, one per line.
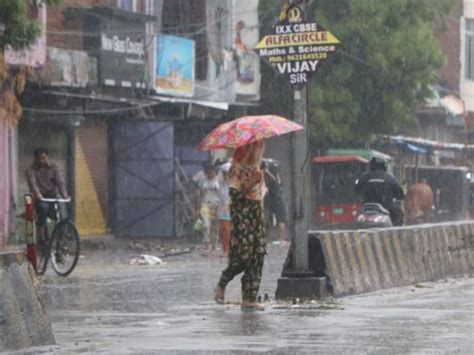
(338,159)
(224,106)
(77,105)
(420,144)
(416,149)
(364,153)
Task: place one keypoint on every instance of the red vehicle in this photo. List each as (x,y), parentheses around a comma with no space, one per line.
(334,178)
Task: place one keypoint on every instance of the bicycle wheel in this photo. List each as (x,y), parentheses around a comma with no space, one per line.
(65,248)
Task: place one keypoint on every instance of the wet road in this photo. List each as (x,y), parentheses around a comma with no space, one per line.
(108,306)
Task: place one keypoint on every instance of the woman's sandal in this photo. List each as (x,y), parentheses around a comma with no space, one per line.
(251,307)
(219,295)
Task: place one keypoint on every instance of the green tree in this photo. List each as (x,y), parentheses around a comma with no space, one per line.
(16,28)
(387,62)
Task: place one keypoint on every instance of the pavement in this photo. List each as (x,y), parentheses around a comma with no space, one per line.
(109,306)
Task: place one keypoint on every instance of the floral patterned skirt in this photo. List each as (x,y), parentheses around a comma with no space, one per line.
(248,227)
(248,245)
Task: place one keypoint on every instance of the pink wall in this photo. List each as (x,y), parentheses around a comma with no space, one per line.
(5,182)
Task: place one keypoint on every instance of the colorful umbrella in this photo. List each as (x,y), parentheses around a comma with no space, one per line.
(246,130)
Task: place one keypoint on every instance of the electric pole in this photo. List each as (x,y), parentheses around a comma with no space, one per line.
(300,172)
(295,48)
(300,182)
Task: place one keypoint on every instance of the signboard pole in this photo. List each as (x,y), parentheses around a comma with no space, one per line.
(300,176)
(300,181)
(296,47)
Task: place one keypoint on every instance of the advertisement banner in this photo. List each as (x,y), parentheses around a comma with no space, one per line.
(296,48)
(174,65)
(246,36)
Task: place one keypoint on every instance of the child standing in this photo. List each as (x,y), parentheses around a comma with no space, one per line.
(224,208)
(208,206)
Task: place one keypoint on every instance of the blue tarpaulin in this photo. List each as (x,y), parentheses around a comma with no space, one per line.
(416,149)
(426,144)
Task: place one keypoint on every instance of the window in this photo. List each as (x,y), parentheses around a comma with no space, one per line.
(140,6)
(470,49)
(128,5)
(187,18)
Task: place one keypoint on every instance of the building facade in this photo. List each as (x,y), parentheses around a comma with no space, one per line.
(441,119)
(127,90)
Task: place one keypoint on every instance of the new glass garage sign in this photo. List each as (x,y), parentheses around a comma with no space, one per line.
(297,49)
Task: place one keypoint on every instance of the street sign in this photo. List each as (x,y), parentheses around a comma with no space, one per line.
(297,48)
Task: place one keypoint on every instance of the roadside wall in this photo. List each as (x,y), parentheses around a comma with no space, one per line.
(23,321)
(368,260)
(7,180)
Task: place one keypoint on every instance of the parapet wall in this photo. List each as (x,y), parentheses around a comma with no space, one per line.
(23,321)
(368,260)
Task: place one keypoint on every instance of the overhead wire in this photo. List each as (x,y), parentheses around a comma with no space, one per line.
(203,28)
(228,83)
(137,107)
(89,112)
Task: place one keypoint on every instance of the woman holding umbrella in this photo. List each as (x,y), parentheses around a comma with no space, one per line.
(248,242)
(247,190)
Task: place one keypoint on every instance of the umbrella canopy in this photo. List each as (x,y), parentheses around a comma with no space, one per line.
(247,129)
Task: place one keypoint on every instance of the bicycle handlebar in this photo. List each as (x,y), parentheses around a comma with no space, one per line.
(55,199)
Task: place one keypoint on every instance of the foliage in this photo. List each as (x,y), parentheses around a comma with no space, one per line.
(387,62)
(18,31)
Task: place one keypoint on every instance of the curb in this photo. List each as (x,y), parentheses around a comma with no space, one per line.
(23,320)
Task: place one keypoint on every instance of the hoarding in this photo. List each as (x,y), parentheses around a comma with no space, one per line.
(246,34)
(174,65)
(296,48)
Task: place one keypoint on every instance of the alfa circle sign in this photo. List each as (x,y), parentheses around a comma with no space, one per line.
(297,49)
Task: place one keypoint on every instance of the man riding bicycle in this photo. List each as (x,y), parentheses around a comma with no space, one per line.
(45,181)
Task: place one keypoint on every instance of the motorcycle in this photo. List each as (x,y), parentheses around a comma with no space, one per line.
(373,215)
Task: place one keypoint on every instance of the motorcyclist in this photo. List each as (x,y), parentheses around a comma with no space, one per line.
(378,186)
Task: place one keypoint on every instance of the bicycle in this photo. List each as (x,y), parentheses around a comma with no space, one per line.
(62,246)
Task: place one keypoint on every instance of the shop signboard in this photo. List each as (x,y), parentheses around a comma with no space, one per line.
(296,48)
(174,65)
(122,55)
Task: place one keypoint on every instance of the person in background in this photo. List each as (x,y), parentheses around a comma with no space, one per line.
(274,202)
(208,206)
(248,242)
(224,208)
(378,186)
(200,175)
(45,181)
